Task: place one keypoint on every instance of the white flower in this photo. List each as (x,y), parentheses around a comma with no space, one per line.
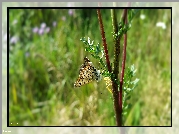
(15,22)
(161,24)
(142,16)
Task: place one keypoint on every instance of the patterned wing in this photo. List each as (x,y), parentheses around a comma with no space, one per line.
(87,74)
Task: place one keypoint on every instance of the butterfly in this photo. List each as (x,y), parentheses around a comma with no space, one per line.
(87,74)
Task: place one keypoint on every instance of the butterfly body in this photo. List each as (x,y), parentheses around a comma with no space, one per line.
(87,74)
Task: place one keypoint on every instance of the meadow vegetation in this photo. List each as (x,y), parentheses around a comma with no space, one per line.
(45,54)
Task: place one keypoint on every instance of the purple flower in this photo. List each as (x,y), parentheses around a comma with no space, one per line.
(41,31)
(70,12)
(54,24)
(35,29)
(27,54)
(63,18)
(47,29)
(43,25)
(14,40)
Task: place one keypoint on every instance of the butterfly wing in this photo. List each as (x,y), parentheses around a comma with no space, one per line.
(87,74)
(85,77)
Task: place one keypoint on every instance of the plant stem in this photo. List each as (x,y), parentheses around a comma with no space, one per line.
(115,91)
(124,18)
(104,40)
(117,95)
(116,69)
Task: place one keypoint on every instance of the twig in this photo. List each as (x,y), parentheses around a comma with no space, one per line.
(114,86)
(118,112)
(124,59)
(104,40)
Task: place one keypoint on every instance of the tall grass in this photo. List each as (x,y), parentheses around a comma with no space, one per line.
(44,67)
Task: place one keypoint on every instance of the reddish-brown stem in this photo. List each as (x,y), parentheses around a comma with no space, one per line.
(123,60)
(104,40)
(114,85)
(118,112)
(117,95)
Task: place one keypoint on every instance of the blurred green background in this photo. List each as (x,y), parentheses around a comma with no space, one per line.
(45,53)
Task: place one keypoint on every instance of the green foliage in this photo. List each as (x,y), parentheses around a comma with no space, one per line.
(95,51)
(122,27)
(132,13)
(128,86)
